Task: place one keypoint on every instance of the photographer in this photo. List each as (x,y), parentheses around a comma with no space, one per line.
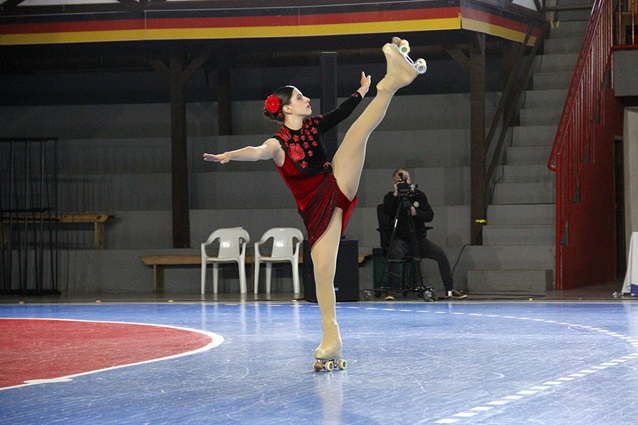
(413,203)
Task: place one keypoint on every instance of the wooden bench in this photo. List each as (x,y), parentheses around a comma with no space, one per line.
(160,261)
(98,221)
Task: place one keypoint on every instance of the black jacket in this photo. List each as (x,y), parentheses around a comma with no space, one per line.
(424,213)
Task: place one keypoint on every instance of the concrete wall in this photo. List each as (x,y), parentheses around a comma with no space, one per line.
(116,159)
(625,65)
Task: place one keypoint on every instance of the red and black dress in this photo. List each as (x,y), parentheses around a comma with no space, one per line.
(308,174)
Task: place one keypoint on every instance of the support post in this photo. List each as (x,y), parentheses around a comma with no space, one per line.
(329,98)
(178,75)
(477,138)
(179,159)
(224,102)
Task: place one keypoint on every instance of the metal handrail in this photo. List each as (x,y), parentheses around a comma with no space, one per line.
(571,149)
(516,83)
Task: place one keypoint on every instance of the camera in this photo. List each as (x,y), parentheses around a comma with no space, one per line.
(403,187)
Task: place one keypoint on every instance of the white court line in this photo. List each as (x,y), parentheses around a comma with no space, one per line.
(216,340)
(549,384)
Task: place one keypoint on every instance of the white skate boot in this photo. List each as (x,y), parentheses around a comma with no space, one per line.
(328,354)
(401,69)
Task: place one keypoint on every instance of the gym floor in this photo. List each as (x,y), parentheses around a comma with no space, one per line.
(567,358)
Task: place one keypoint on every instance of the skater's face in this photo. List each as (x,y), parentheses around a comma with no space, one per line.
(299,104)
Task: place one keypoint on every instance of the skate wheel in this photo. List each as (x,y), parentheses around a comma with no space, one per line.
(317,366)
(328,366)
(342,364)
(421,66)
(404,47)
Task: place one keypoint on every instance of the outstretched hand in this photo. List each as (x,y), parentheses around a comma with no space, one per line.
(366,80)
(222,158)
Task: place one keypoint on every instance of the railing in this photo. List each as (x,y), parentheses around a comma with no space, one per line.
(503,121)
(582,108)
(508,105)
(627,18)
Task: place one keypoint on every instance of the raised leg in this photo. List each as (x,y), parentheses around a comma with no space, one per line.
(349,158)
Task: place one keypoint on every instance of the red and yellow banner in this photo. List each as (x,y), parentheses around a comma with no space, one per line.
(271,22)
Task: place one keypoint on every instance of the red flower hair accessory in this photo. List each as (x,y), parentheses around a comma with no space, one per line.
(272,104)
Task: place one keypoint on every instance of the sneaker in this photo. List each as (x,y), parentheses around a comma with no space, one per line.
(389,296)
(457,295)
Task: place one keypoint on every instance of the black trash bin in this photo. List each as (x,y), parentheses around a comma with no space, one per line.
(346,278)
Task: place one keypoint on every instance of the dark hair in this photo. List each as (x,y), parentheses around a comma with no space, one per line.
(284,94)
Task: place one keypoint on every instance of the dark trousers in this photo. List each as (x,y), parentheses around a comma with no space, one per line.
(400,249)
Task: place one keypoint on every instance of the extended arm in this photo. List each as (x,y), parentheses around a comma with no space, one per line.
(345,109)
(270,149)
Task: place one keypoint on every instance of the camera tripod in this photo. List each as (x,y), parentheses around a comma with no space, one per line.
(414,284)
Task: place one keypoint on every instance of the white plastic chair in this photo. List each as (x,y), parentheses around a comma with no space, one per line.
(284,249)
(232,248)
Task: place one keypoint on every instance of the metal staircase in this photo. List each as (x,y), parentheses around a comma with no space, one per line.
(518,252)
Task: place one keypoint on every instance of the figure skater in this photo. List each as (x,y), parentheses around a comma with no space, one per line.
(325,193)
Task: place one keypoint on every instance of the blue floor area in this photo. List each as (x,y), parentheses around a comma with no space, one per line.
(409,363)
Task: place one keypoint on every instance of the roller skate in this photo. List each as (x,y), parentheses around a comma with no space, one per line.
(329,365)
(404,48)
(328,354)
(401,69)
